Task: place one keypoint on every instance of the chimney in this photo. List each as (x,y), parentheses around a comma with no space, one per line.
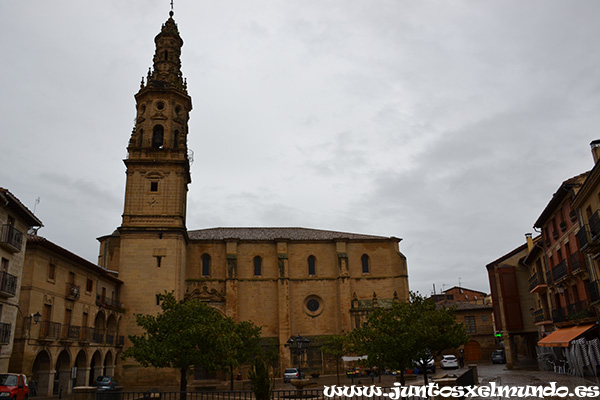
(528,237)
(595,145)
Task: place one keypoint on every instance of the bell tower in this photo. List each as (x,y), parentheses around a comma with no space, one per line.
(151,243)
(158,160)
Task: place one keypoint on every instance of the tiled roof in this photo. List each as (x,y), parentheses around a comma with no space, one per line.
(301,234)
(33,240)
(29,217)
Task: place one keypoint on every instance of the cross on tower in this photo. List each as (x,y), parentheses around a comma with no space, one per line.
(171,5)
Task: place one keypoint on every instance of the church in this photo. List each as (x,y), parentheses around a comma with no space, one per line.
(287,280)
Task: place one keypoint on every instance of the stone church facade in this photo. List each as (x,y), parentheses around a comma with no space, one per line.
(289,281)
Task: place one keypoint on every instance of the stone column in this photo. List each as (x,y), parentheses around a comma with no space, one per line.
(83,376)
(45,383)
(64,381)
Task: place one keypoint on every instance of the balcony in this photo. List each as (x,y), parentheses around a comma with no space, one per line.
(549,279)
(574,312)
(577,263)
(11,238)
(536,283)
(8,284)
(594,290)
(560,271)
(541,317)
(73,291)
(70,333)
(582,237)
(98,336)
(49,331)
(109,304)
(4,333)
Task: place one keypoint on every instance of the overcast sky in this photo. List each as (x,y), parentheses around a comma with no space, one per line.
(449,124)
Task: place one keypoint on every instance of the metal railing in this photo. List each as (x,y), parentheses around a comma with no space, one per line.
(12,237)
(316,394)
(560,270)
(594,291)
(577,262)
(49,330)
(71,332)
(111,304)
(8,283)
(540,315)
(5,333)
(582,236)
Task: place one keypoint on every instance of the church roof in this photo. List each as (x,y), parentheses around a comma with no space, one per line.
(270,234)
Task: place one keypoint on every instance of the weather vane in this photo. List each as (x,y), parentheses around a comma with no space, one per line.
(171,5)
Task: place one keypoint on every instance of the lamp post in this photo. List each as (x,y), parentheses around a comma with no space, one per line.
(298,346)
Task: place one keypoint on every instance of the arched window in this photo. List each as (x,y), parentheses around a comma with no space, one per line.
(157,136)
(312,269)
(365,263)
(257,266)
(205,265)
(141,143)
(176,139)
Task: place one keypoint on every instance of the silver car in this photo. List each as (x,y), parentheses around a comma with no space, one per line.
(292,373)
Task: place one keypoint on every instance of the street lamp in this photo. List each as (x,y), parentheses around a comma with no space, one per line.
(298,346)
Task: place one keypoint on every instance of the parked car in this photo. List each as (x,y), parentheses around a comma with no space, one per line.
(430,364)
(448,361)
(13,386)
(292,373)
(498,357)
(107,383)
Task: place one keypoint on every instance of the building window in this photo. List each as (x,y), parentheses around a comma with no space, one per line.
(365,263)
(4,264)
(176,139)
(470,324)
(157,137)
(205,265)
(257,266)
(89,286)
(312,261)
(483,318)
(51,272)
(154,186)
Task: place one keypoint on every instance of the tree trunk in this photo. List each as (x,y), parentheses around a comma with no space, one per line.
(183,383)
(337,369)
(402,380)
(231,380)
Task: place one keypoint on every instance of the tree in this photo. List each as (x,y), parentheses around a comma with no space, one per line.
(436,329)
(387,338)
(187,333)
(417,330)
(335,345)
(239,347)
(262,385)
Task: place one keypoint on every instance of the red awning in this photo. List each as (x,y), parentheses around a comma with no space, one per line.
(562,337)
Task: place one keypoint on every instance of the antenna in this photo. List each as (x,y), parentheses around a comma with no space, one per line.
(37,201)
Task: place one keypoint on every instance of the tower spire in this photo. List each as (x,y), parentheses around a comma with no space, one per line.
(166,67)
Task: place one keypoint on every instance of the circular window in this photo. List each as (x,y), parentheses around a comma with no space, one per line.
(160,105)
(313,306)
(178,110)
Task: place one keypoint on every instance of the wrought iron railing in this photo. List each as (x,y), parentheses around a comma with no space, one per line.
(577,263)
(5,333)
(594,290)
(8,284)
(111,304)
(12,237)
(582,236)
(540,315)
(71,332)
(560,270)
(49,330)
(594,223)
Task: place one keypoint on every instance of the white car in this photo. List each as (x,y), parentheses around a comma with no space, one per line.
(448,361)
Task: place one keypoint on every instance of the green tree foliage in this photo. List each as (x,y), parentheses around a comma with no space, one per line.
(262,384)
(336,346)
(189,332)
(416,330)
